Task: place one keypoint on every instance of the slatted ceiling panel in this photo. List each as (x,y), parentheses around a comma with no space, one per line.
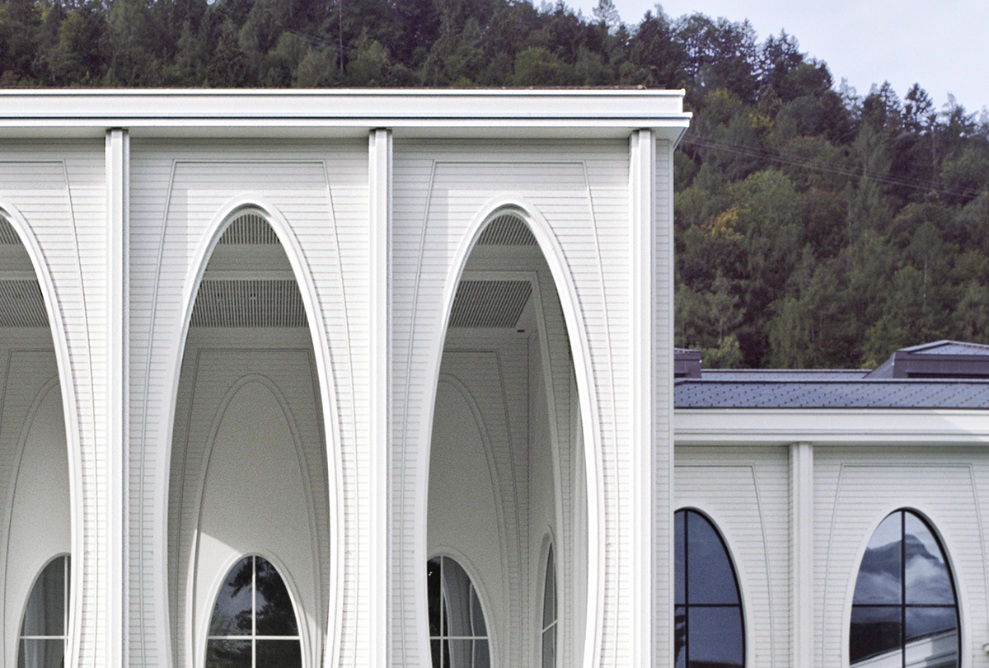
(22,305)
(489,303)
(8,236)
(253,303)
(506,230)
(250,229)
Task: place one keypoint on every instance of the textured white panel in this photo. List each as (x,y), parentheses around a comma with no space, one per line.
(217,361)
(178,191)
(745,493)
(59,190)
(582,191)
(856,488)
(662,388)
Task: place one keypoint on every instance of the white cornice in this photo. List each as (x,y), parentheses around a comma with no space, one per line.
(409,111)
(877,427)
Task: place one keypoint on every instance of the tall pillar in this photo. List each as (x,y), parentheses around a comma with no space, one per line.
(379,172)
(643,433)
(802,555)
(117,408)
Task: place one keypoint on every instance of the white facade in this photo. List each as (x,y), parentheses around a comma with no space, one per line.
(348,448)
(350,332)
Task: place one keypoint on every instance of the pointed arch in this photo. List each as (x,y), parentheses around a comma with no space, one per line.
(73,438)
(307,289)
(554,256)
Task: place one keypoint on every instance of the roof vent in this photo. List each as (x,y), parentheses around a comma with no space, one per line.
(507,230)
(250,228)
(8,236)
(22,304)
(489,303)
(253,303)
(940,359)
(686,363)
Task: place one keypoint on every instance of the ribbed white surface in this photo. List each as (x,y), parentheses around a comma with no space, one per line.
(744,491)
(582,190)
(662,388)
(177,190)
(856,488)
(59,189)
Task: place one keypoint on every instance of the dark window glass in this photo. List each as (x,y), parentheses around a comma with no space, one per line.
(457,630)
(709,630)
(253,622)
(43,627)
(904,609)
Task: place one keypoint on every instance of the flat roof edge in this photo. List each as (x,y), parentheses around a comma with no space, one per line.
(385,107)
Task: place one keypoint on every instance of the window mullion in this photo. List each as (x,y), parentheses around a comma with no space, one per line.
(254,612)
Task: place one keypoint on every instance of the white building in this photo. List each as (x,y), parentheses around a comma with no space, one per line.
(361,378)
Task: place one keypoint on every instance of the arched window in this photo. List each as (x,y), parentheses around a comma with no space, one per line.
(904,611)
(549,614)
(253,623)
(708,610)
(458,635)
(46,618)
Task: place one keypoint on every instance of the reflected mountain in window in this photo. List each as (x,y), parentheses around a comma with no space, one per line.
(904,610)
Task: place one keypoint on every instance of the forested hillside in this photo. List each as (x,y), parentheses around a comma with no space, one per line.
(814,226)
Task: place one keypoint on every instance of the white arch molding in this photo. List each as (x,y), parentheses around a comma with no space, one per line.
(293,250)
(72,436)
(552,252)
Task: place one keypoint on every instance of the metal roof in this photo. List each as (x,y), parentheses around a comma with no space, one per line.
(916,394)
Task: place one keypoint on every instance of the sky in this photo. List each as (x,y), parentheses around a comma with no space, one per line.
(941,46)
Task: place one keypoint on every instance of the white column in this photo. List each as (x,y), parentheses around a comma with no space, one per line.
(802,555)
(116,363)
(379,175)
(642,210)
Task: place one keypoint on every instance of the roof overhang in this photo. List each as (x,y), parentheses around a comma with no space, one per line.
(494,113)
(873,427)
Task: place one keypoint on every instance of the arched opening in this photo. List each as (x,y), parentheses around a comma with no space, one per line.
(458,632)
(506,458)
(248,472)
(905,609)
(45,626)
(708,617)
(36,509)
(253,621)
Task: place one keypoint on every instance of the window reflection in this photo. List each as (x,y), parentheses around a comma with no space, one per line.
(457,630)
(253,622)
(708,627)
(904,609)
(43,628)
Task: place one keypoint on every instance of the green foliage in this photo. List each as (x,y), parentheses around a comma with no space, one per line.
(813,227)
